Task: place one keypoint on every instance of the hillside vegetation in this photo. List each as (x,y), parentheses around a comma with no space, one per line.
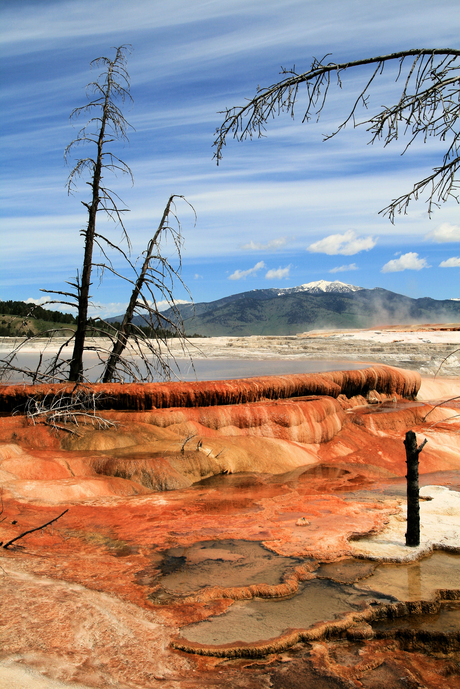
(18,319)
(273,312)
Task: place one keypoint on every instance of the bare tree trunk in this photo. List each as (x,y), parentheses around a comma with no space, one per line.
(106,124)
(413,506)
(153,277)
(123,333)
(76,364)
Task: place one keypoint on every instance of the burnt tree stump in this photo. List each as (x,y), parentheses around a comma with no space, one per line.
(413,506)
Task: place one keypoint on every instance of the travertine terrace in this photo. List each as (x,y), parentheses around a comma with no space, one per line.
(205,499)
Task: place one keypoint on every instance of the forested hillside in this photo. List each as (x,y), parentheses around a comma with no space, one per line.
(17,318)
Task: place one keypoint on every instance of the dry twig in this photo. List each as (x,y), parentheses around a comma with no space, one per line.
(13,540)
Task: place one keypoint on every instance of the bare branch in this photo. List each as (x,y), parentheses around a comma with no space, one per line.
(428,106)
(444,360)
(451,399)
(54,410)
(13,540)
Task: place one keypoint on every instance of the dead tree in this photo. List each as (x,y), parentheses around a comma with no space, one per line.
(428,106)
(106,124)
(413,505)
(155,276)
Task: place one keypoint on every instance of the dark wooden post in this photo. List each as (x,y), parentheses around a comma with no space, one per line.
(413,507)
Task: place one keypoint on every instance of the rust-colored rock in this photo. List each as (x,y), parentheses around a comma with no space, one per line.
(284,469)
(144,396)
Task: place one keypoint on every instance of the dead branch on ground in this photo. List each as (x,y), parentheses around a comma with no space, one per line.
(37,528)
(75,408)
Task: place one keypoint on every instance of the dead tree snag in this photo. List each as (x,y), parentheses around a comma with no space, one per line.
(413,506)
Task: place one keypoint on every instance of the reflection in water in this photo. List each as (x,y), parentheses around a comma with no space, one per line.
(330,595)
(414,581)
(417,580)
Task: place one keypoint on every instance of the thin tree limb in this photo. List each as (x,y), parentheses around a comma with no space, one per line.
(13,540)
(429,106)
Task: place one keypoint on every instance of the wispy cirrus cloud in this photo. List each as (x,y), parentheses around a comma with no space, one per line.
(278,273)
(453,262)
(262,189)
(243,274)
(445,233)
(344,269)
(409,261)
(346,244)
(259,246)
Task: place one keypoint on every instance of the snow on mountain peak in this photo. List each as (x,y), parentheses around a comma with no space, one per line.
(325,286)
(321,286)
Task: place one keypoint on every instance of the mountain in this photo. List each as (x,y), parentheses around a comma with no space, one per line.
(320,287)
(312,306)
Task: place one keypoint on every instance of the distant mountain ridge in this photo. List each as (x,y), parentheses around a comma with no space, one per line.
(311,306)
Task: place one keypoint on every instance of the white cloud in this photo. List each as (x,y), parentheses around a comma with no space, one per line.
(278,274)
(343,269)
(48,303)
(97,309)
(445,233)
(197,276)
(273,244)
(409,261)
(346,244)
(163,305)
(453,262)
(43,301)
(243,274)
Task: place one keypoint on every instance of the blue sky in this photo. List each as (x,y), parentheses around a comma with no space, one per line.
(277,212)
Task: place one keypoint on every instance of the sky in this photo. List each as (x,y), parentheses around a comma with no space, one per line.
(279,211)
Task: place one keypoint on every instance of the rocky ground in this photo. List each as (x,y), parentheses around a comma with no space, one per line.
(132,586)
(428,349)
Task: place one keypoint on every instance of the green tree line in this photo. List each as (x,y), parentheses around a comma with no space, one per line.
(21,308)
